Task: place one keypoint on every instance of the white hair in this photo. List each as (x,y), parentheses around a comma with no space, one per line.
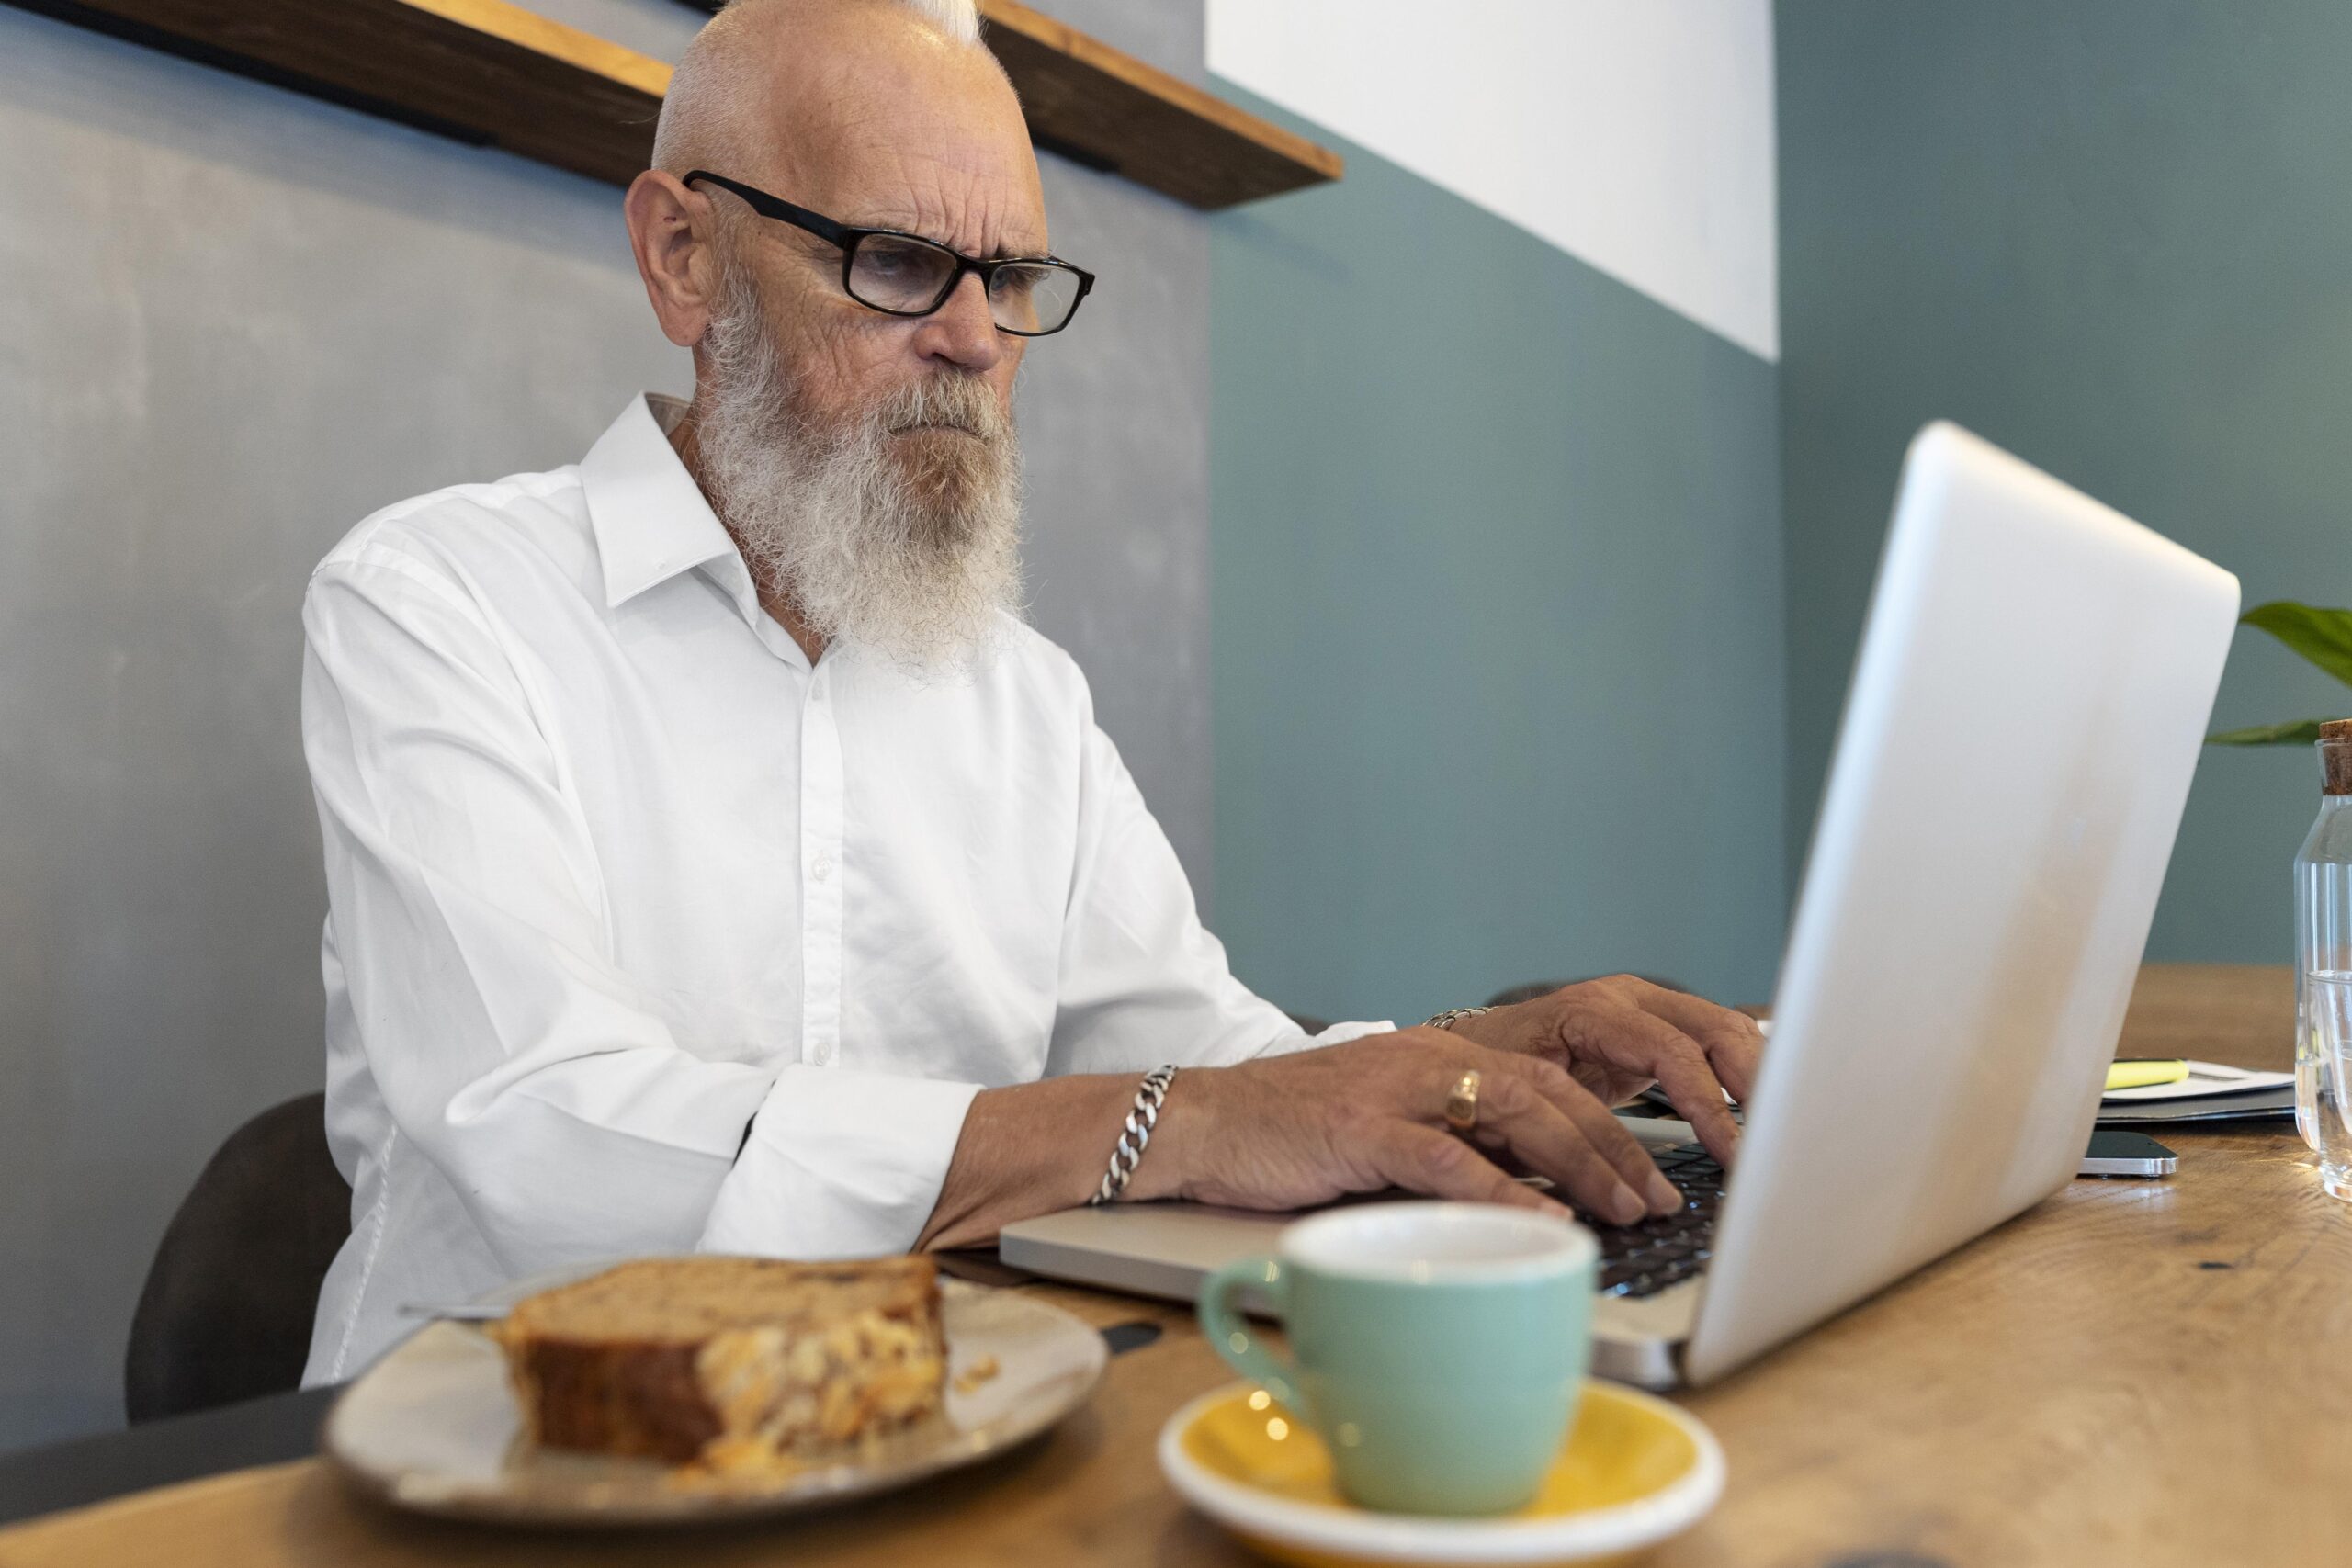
(959,19)
(706,113)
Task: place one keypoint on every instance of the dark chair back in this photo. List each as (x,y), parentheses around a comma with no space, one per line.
(227,1309)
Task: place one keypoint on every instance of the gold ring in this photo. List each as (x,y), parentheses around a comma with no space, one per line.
(1461,1105)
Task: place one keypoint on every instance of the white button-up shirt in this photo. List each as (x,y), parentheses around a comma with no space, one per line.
(646,935)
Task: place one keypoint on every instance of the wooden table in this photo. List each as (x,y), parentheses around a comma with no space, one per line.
(2135,1373)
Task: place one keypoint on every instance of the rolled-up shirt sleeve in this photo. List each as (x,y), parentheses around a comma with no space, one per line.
(839,1164)
(1143,982)
(507,1044)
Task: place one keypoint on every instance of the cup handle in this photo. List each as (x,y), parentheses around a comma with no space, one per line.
(1228,1331)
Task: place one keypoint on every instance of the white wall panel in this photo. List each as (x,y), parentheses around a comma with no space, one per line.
(1634,134)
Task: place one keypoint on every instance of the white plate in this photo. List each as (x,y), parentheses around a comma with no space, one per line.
(434,1426)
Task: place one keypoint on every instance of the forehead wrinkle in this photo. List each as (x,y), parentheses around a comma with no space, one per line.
(955,194)
(890,127)
(965,216)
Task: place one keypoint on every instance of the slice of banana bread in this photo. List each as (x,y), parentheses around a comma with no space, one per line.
(680,1359)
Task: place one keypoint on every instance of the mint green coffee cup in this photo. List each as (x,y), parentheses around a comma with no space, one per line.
(1438,1349)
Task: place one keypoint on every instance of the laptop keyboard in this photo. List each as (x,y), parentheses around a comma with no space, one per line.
(1642,1260)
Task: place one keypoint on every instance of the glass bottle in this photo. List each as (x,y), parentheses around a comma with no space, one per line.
(2323,965)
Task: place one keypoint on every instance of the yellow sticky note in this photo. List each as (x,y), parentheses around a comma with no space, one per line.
(2141,1072)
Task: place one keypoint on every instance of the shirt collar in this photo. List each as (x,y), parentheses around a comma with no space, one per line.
(650,517)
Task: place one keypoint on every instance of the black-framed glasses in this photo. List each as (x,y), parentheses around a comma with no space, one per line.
(906,275)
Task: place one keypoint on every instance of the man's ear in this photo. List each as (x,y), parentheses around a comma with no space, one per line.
(673,231)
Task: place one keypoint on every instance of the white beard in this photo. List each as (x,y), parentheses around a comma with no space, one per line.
(905,544)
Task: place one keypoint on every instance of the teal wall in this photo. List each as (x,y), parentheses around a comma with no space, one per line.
(1495,603)
(2116,236)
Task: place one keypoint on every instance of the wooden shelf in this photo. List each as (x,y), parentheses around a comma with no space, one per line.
(1113,112)
(493,73)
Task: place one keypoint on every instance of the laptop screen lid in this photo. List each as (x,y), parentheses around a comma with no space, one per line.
(2025,716)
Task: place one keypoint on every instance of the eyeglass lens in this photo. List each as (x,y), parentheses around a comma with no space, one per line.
(909,277)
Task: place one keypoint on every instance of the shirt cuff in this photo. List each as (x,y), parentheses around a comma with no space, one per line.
(838,1164)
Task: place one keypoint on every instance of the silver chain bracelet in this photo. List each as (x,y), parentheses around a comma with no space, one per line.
(1137,1136)
(1451,1016)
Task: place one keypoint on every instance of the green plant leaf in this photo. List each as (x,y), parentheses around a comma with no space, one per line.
(2323,636)
(2296,732)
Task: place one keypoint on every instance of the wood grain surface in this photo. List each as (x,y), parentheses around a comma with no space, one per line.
(483,71)
(2138,1373)
(491,73)
(1122,115)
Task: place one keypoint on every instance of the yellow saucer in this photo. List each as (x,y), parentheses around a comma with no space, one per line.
(1633,1471)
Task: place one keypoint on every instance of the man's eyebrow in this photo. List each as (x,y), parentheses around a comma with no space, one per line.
(899,226)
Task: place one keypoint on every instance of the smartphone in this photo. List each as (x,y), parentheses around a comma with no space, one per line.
(2114,1151)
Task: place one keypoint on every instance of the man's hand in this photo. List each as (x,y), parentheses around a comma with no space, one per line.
(1617,1036)
(1288,1132)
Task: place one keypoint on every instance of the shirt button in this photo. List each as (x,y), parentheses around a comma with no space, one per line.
(822,870)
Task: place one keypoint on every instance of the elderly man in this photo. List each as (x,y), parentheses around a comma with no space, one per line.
(716,862)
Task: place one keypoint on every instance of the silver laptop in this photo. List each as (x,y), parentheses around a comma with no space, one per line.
(2025,716)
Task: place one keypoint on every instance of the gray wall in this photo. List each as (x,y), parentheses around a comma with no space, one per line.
(239,321)
(2112,236)
(1498,611)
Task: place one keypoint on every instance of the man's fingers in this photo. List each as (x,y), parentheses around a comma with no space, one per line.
(1422,1159)
(1590,1123)
(1735,1063)
(1625,1151)
(1695,1091)
(1542,1136)
(1681,1066)
(1731,1040)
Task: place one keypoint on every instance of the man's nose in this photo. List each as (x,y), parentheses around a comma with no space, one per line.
(962,332)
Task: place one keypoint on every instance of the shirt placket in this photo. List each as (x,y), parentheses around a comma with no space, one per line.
(820,875)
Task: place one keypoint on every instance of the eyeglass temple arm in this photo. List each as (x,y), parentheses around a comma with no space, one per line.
(775,207)
(842,238)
